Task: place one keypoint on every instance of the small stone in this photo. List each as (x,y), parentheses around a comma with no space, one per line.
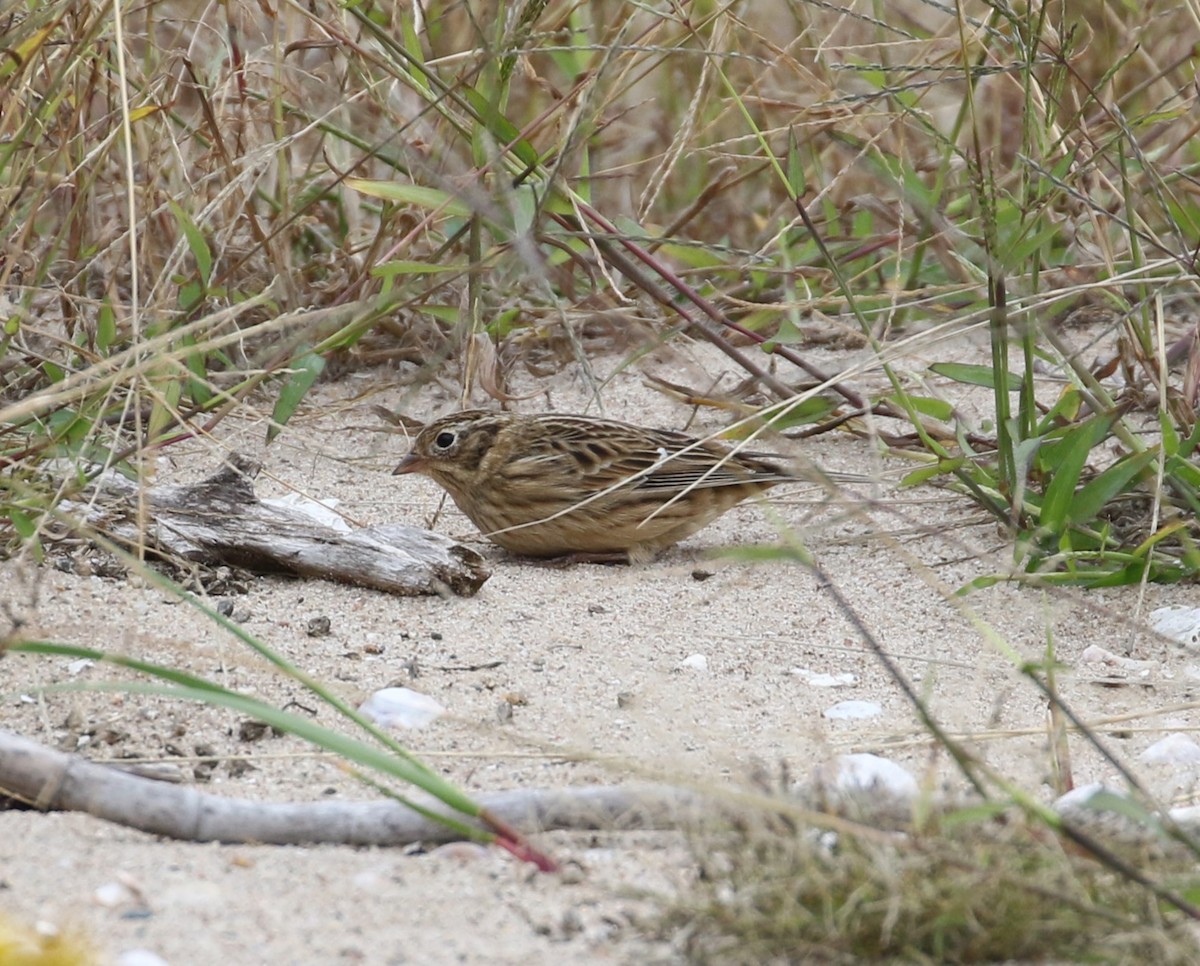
(140,957)
(1181,624)
(402,708)
(571,873)
(818,679)
(571,924)
(1175,749)
(625,699)
(700,576)
(318,627)
(693,662)
(113,894)
(463,852)
(238,767)
(251,730)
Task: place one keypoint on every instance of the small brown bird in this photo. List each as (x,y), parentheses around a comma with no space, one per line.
(586,489)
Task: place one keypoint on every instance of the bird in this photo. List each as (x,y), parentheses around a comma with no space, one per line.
(586,489)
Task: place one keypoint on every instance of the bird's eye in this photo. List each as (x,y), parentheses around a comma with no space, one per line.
(444,440)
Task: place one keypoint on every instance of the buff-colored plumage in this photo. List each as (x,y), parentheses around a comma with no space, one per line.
(576,486)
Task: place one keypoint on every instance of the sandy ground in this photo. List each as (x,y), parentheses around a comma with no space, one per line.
(594,658)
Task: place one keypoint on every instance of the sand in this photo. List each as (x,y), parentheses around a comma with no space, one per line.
(593,684)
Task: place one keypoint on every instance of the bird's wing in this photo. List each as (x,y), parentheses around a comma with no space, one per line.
(596,454)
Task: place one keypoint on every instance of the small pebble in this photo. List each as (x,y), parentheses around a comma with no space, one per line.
(693,662)
(403,708)
(853,711)
(1180,624)
(818,679)
(251,730)
(463,852)
(1174,749)
(140,957)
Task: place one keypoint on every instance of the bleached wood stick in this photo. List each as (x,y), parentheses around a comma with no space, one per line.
(221,521)
(56,781)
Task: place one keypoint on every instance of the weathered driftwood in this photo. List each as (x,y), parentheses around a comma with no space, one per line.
(221,522)
(55,781)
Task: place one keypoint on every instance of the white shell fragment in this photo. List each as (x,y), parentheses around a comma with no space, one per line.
(1175,749)
(401,708)
(1107,813)
(1181,624)
(861,785)
(819,679)
(112,894)
(853,711)
(693,662)
(1092,654)
(870,774)
(140,957)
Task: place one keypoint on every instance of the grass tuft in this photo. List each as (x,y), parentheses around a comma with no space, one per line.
(966,892)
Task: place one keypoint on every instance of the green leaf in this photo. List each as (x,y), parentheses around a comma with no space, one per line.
(975,375)
(22,522)
(433,199)
(162,412)
(1170,438)
(926,406)
(395,763)
(751,553)
(305,371)
(1090,500)
(443,313)
(196,364)
(925,473)
(1066,409)
(501,128)
(1071,455)
(1025,244)
(390,269)
(106,327)
(197,243)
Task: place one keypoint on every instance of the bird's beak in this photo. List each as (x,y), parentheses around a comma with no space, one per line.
(412,463)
